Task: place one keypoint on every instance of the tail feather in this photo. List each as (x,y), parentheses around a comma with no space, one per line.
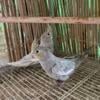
(80,58)
(86,52)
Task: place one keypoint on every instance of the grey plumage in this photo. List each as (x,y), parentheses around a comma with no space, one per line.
(55,67)
(46,40)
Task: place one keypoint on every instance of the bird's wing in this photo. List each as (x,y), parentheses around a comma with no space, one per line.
(63,67)
(25,61)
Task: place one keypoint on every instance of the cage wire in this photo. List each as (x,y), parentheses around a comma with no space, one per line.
(69,39)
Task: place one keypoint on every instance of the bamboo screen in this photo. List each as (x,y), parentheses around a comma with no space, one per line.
(69,39)
(3,46)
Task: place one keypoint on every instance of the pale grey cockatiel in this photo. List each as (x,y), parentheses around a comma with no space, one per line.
(46,40)
(55,67)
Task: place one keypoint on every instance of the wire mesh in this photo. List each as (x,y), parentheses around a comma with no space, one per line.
(33,84)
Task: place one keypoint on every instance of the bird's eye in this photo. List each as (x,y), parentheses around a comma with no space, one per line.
(48,33)
(37,51)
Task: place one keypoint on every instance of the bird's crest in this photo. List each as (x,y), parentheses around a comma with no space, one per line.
(49,29)
(34,44)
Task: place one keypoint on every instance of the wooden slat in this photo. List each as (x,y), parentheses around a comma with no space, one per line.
(69,20)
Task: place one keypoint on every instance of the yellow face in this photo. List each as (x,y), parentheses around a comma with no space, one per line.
(39,53)
(47,34)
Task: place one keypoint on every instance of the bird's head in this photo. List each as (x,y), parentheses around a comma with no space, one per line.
(47,35)
(40,53)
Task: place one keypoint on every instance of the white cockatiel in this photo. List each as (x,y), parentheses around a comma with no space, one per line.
(57,68)
(46,40)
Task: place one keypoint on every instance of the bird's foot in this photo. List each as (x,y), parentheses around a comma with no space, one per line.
(60,83)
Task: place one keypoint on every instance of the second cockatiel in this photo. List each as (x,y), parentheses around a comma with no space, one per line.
(57,68)
(46,40)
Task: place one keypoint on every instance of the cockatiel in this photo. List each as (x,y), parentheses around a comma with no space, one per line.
(57,68)
(46,40)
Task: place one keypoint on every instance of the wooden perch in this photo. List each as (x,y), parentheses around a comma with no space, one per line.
(68,20)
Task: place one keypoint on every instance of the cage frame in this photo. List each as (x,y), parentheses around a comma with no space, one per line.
(67,20)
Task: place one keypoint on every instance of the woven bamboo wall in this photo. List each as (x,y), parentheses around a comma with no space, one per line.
(3,48)
(69,39)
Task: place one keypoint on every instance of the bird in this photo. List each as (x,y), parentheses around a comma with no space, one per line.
(57,68)
(46,40)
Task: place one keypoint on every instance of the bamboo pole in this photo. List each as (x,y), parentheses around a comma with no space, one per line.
(69,20)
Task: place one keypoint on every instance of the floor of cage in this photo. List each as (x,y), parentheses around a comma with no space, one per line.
(33,84)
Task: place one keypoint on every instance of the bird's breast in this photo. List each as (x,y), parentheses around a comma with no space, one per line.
(46,65)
